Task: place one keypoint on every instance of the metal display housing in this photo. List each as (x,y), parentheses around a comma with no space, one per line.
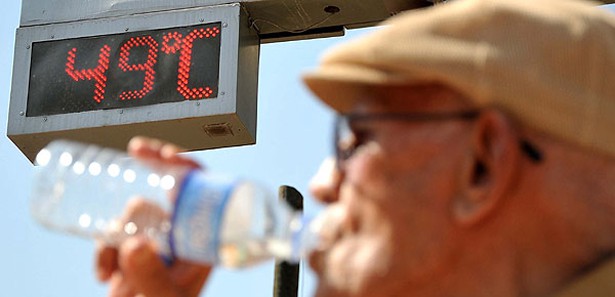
(274,20)
(228,120)
(276,16)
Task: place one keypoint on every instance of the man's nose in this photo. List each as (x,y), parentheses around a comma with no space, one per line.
(326,182)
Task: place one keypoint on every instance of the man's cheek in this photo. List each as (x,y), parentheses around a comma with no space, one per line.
(367,165)
(339,270)
(357,264)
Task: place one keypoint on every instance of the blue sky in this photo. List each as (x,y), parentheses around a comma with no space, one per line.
(293,136)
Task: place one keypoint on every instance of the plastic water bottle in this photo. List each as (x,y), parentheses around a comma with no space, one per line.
(102,193)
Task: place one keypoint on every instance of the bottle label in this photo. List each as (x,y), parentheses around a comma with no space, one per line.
(198,215)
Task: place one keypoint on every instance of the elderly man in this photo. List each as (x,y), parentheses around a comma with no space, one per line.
(475,156)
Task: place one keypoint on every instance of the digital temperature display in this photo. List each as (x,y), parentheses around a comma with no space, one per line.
(124,70)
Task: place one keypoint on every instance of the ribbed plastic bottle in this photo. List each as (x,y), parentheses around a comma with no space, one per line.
(102,193)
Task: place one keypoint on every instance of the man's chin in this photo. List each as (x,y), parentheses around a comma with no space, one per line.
(326,290)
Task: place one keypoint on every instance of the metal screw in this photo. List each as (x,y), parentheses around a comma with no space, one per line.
(202,20)
(222,93)
(224,25)
(198,104)
(53,36)
(126,29)
(21,113)
(28,46)
(44,119)
(332,9)
(121,111)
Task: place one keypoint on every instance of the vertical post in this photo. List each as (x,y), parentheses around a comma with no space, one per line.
(286,282)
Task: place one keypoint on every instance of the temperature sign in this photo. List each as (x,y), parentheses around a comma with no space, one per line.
(124,70)
(186,75)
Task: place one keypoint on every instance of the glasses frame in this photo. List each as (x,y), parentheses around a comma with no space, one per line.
(343,154)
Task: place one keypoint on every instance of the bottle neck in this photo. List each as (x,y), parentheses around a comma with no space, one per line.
(304,236)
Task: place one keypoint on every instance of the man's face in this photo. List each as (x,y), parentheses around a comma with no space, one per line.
(391,199)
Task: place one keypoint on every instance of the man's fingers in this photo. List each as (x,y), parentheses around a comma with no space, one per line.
(139,263)
(190,277)
(144,147)
(143,268)
(106,262)
(149,148)
(119,287)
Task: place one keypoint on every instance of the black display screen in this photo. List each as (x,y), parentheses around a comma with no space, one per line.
(124,70)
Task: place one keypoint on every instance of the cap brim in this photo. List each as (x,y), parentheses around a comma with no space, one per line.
(341,85)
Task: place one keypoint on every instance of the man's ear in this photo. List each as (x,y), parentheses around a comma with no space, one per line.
(489,170)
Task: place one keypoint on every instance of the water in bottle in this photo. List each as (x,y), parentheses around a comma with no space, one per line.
(102,193)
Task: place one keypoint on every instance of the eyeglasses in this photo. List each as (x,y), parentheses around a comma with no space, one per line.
(346,141)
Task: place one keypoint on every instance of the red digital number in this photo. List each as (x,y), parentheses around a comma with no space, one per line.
(97,74)
(171,43)
(185,62)
(147,67)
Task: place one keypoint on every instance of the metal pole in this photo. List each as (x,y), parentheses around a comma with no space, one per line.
(286,282)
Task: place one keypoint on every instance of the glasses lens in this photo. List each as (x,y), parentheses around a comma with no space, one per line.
(344,140)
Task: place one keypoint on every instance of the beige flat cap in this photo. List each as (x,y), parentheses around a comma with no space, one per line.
(548,63)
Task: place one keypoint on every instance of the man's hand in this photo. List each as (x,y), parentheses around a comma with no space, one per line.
(134,268)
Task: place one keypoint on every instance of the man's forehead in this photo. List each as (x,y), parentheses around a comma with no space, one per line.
(411,98)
